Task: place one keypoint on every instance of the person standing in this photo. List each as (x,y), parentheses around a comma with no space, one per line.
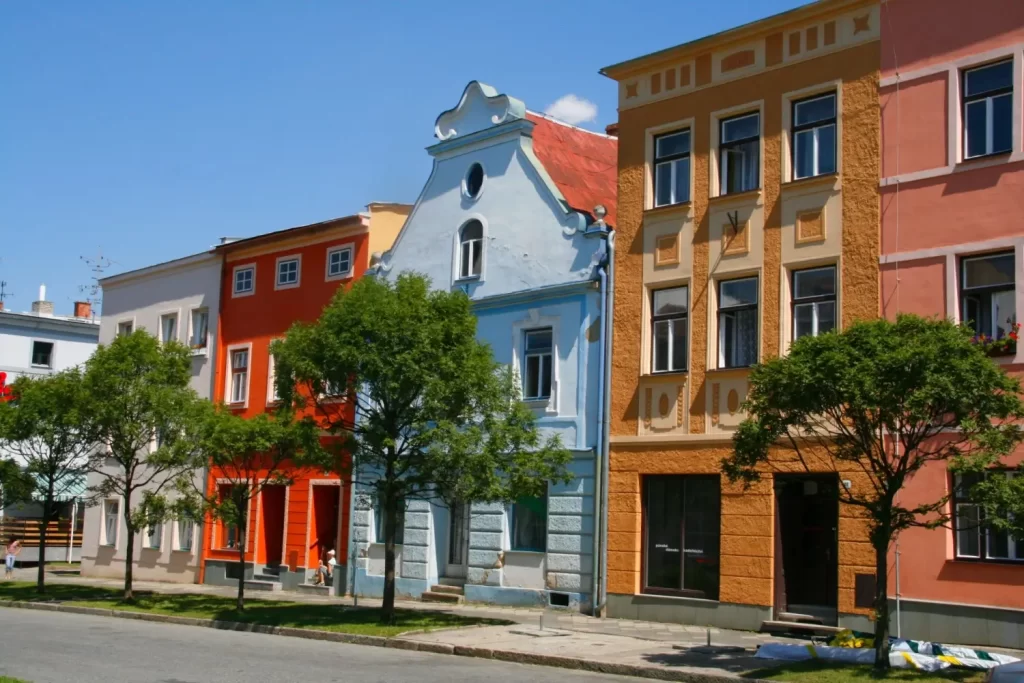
(13,550)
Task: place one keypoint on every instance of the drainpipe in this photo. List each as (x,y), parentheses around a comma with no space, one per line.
(608,304)
(599,450)
(71,533)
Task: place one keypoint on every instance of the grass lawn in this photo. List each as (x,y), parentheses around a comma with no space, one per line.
(8,679)
(318,616)
(822,672)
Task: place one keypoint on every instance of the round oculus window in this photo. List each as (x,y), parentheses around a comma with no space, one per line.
(474,181)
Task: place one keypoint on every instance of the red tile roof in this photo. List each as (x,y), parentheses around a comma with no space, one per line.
(583,164)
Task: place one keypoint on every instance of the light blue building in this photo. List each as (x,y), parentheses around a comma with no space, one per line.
(517,212)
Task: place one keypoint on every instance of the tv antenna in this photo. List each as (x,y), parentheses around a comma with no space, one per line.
(4,293)
(97,266)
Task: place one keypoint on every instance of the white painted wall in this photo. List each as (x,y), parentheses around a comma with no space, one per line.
(143,297)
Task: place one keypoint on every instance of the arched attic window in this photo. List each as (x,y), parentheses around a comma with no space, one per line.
(471,242)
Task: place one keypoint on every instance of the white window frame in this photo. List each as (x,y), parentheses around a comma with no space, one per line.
(104,530)
(350,248)
(534,320)
(988,99)
(714,157)
(32,353)
(724,168)
(963,290)
(673,162)
(982,535)
(651,135)
(656,319)
(235,292)
(813,301)
(120,330)
(192,328)
(229,383)
(147,538)
(549,354)
(178,526)
(166,315)
(815,128)
(281,260)
(272,397)
(479,245)
(720,341)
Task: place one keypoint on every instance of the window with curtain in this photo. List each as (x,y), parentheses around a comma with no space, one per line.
(530,524)
(740,153)
(737,322)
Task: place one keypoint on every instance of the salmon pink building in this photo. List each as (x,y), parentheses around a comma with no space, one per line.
(952,192)
(270,282)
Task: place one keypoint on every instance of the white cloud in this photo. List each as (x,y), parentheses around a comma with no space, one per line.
(572,109)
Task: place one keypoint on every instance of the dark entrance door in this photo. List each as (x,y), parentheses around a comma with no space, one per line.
(807,522)
(273,523)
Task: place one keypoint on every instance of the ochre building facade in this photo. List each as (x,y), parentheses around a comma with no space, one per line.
(748,215)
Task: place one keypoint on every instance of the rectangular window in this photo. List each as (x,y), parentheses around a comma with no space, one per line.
(186,532)
(988,303)
(111,519)
(988,109)
(538,365)
(152,536)
(244,280)
(681,535)
(230,538)
(530,524)
(200,322)
(672,168)
(42,354)
(239,375)
(669,329)
(814,301)
(975,539)
(169,327)
(814,136)
(272,396)
(288,273)
(740,153)
(378,519)
(737,323)
(339,262)
(124,328)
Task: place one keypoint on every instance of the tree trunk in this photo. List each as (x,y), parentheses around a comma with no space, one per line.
(47,514)
(129,563)
(390,514)
(881,602)
(242,540)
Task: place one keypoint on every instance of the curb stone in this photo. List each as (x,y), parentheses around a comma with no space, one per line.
(397,642)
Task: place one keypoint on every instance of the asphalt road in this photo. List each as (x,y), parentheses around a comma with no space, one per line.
(45,647)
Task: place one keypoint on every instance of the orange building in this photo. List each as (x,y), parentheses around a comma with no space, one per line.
(748,215)
(270,282)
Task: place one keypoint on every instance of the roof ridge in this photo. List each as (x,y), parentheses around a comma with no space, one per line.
(569,125)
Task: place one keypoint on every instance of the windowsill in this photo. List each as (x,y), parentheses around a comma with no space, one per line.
(236,406)
(278,288)
(527,552)
(824,180)
(468,278)
(41,367)
(667,594)
(381,544)
(199,351)
(108,545)
(238,295)
(669,209)
(654,374)
(723,372)
(982,159)
(151,549)
(987,560)
(337,278)
(735,197)
(182,552)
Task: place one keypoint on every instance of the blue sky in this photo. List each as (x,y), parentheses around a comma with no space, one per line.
(150,129)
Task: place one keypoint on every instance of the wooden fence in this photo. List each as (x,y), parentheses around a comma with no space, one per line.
(27,531)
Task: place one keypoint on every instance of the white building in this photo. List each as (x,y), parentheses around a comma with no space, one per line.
(39,343)
(177,300)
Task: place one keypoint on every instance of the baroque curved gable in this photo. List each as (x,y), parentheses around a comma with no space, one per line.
(479,108)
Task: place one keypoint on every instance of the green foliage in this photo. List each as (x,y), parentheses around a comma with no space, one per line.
(436,410)
(43,426)
(1000,496)
(16,485)
(439,419)
(881,399)
(141,414)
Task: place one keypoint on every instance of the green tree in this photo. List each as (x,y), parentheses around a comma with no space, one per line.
(880,399)
(247,456)
(438,418)
(140,413)
(43,428)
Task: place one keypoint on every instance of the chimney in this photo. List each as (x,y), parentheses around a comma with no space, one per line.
(1,304)
(612,129)
(83,309)
(42,306)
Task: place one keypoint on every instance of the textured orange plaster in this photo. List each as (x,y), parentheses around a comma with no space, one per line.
(773,50)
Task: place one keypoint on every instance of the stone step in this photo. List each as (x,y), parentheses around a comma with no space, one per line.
(313,589)
(799,618)
(272,569)
(452,581)
(431,596)
(267,577)
(800,628)
(257,585)
(448,590)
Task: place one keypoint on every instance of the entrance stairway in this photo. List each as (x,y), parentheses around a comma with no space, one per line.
(449,591)
(268,580)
